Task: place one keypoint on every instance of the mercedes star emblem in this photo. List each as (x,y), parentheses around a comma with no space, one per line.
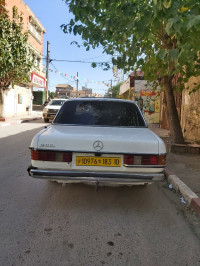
(98,145)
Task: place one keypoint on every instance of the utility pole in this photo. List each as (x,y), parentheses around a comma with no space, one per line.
(111,88)
(47,71)
(77,86)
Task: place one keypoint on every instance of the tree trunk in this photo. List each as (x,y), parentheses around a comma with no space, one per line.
(172,114)
(1,103)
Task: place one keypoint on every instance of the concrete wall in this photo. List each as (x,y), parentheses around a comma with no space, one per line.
(16,101)
(190,112)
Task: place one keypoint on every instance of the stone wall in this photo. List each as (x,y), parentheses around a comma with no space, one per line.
(190,112)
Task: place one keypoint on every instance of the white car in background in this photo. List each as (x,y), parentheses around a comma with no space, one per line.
(51,109)
(98,140)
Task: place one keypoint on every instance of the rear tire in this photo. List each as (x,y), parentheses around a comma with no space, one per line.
(46,120)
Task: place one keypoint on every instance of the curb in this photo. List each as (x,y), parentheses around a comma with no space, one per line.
(185,148)
(191,197)
(27,120)
(19,121)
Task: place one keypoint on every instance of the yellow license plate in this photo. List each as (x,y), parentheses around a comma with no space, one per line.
(98,161)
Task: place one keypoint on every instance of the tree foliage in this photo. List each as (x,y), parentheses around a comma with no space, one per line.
(113,91)
(15,62)
(159,37)
(51,94)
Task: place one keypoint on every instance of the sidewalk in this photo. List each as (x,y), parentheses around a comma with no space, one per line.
(35,115)
(183,169)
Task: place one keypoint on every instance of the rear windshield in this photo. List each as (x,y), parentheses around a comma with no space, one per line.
(100,113)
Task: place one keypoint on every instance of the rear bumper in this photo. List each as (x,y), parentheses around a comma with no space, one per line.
(87,177)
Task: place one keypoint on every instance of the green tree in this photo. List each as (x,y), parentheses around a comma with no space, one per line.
(52,94)
(15,63)
(114,91)
(159,37)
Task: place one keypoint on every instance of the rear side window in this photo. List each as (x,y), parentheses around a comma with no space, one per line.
(100,113)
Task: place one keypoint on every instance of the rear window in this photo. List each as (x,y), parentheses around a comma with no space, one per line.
(100,113)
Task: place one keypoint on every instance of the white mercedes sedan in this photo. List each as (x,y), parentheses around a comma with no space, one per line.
(100,141)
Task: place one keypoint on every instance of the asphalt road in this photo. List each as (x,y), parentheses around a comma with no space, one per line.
(45,223)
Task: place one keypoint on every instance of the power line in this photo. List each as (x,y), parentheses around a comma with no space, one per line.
(62,75)
(79,61)
(103,81)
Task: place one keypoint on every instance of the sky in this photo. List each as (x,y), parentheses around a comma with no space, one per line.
(52,14)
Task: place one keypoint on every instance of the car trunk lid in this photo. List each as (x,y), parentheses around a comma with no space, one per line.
(111,139)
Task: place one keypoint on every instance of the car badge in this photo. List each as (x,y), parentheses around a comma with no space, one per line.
(98,145)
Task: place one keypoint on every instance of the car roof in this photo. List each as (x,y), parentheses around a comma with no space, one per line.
(102,99)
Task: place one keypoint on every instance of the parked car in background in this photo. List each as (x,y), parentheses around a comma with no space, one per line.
(51,109)
(98,140)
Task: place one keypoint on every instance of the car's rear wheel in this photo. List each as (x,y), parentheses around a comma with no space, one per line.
(46,120)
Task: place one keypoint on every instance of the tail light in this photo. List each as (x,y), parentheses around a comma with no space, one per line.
(149,160)
(131,159)
(51,156)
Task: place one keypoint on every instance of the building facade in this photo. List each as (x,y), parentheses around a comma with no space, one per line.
(18,99)
(64,90)
(67,91)
(135,88)
(154,106)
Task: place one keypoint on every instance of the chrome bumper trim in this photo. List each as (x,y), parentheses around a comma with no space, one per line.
(143,166)
(110,177)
